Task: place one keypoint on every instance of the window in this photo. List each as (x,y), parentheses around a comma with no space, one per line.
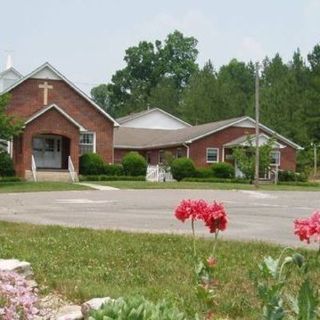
(212,155)
(275,158)
(179,153)
(87,142)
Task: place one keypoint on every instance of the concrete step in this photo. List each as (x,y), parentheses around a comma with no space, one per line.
(46,175)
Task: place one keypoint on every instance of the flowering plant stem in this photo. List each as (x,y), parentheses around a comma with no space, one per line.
(194,238)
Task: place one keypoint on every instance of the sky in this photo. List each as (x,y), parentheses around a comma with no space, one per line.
(86,39)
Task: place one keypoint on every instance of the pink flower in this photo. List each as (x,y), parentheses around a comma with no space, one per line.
(308,228)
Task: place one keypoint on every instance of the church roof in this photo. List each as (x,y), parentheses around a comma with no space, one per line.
(138,138)
(59,75)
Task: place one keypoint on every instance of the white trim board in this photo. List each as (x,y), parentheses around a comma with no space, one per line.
(62,77)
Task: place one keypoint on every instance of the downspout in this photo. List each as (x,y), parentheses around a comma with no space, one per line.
(188,149)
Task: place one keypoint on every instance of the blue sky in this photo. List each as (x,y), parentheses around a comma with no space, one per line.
(86,39)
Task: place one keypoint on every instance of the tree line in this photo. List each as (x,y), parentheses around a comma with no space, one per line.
(166,75)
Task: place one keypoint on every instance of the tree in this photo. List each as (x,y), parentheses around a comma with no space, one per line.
(165,95)
(101,95)
(201,101)
(148,66)
(245,157)
(9,125)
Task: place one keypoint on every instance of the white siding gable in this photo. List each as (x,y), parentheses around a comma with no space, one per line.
(8,78)
(245,123)
(46,73)
(155,120)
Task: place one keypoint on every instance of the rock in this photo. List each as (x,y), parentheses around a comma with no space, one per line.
(93,304)
(21,267)
(70,313)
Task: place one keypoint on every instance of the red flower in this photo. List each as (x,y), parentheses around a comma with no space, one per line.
(215,217)
(211,262)
(193,209)
(308,228)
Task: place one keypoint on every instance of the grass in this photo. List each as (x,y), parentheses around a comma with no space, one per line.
(203,185)
(7,187)
(82,263)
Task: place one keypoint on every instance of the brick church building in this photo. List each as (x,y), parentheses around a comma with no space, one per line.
(61,123)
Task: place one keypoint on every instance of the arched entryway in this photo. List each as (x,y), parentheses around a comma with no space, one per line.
(51,151)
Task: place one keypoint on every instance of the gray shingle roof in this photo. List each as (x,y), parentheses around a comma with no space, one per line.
(151,138)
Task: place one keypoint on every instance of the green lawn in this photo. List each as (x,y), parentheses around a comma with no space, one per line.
(6,187)
(82,263)
(201,185)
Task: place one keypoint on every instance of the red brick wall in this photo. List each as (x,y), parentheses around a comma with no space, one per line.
(51,122)
(27,99)
(198,148)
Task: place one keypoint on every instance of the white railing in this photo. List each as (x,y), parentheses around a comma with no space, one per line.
(33,168)
(158,174)
(73,174)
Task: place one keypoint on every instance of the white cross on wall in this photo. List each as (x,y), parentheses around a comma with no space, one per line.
(45,86)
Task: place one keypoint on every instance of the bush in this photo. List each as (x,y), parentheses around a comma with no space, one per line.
(134,164)
(204,173)
(113,170)
(10,179)
(6,165)
(223,170)
(91,164)
(111,178)
(217,180)
(287,176)
(136,308)
(182,168)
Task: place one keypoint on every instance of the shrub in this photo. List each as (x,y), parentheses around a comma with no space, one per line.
(6,165)
(217,180)
(287,176)
(204,173)
(91,163)
(111,178)
(10,179)
(136,308)
(134,164)
(223,170)
(113,170)
(182,168)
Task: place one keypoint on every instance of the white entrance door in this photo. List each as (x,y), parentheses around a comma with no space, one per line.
(47,151)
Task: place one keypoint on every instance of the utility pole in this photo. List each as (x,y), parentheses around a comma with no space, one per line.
(315,156)
(257,111)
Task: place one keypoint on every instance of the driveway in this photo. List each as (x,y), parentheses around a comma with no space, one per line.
(255,215)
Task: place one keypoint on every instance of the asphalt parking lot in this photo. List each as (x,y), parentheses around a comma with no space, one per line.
(258,215)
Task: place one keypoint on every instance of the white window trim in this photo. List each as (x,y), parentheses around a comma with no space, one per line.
(217,155)
(94,140)
(279,163)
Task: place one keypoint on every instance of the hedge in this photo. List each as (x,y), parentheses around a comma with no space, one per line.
(111,178)
(10,179)
(182,168)
(217,180)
